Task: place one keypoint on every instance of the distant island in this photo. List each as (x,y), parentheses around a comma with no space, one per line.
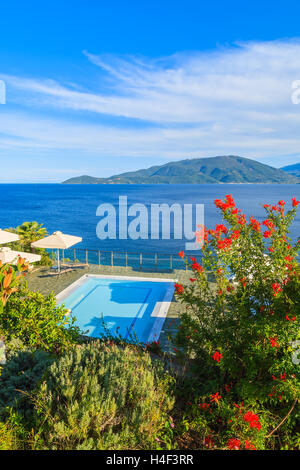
(223,169)
(293,169)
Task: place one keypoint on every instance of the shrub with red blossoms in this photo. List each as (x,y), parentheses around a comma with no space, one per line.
(246,303)
(253,420)
(178,288)
(217,356)
(234,444)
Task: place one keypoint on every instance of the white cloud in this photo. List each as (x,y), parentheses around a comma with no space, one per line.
(235,100)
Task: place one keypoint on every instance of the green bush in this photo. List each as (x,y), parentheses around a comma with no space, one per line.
(101,396)
(38,321)
(45,257)
(20,375)
(7,437)
(13,434)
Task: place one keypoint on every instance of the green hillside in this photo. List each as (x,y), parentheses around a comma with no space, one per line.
(223,169)
(293,169)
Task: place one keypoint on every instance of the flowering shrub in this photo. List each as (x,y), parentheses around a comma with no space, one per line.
(242,325)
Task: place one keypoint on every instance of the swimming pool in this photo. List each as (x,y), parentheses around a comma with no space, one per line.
(124,304)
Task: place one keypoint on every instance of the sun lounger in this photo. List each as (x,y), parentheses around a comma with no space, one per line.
(73,265)
(55,272)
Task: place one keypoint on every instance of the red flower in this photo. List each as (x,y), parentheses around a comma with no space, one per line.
(252,419)
(273,342)
(283,377)
(235,234)
(215,397)
(241,219)
(181,254)
(230,201)
(276,288)
(204,405)
(221,228)
(217,356)
(228,204)
(254,224)
(295,202)
(224,244)
(179,288)
(249,446)
(268,223)
(234,444)
(192,279)
(220,204)
(290,319)
(208,442)
(197,267)
(267,234)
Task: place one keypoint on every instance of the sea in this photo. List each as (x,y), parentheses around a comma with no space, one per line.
(72,209)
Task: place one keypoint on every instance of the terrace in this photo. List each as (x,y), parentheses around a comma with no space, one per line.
(116,264)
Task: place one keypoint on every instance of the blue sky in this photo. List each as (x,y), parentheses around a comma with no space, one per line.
(97,87)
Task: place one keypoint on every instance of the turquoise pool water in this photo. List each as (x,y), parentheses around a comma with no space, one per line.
(125,306)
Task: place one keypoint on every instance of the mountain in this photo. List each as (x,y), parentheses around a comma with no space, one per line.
(224,169)
(292,169)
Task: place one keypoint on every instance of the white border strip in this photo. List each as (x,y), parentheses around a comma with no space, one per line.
(160,310)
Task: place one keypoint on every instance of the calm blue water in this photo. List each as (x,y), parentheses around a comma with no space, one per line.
(124,306)
(72,208)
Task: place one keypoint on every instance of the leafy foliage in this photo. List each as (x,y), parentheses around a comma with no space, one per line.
(38,321)
(9,280)
(7,437)
(19,377)
(30,232)
(101,396)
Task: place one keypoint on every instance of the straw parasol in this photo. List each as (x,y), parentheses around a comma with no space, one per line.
(57,240)
(7,237)
(10,256)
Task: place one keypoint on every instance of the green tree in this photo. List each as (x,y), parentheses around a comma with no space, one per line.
(30,232)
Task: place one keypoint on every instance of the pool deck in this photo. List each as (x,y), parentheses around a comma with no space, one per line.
(40,280)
